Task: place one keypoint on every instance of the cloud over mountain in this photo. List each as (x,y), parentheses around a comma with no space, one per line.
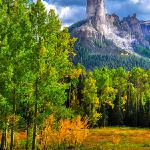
(71,11)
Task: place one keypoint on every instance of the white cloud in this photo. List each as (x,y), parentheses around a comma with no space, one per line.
(66,13)
(49,6)
(70,12)
(144,4)
(66,25)
(135,1)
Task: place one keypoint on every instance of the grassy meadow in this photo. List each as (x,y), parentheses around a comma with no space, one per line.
(108,138)
(118,138)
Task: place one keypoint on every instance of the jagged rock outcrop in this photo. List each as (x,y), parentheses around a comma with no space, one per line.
(145,25)
(124,34)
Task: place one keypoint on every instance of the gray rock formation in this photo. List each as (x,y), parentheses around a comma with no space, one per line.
(122,36)
(100,17)
(90,8)
(95,9)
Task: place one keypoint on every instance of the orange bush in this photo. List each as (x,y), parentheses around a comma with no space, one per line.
(116,139)
(48,135)
(19,137)
(80,131)
(70,132)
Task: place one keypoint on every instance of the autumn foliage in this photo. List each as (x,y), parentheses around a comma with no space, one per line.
(68,133)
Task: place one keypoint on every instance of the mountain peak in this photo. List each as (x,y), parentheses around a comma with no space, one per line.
(106,34)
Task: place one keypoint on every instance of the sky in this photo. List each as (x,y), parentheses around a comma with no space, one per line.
(71,11)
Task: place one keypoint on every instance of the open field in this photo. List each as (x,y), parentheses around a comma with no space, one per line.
(116,138)
(109,138)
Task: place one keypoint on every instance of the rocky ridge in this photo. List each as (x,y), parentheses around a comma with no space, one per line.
(103,33)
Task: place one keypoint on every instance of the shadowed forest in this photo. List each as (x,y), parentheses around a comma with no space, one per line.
(47,102)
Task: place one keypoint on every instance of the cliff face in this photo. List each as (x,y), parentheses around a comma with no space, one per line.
(102,33)
(145,26)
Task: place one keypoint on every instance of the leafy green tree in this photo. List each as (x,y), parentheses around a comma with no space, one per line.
(139,79)
(119,83)
(12,52)
(51,62)
(91,101)
(106,93)
(35,62)
(5,111)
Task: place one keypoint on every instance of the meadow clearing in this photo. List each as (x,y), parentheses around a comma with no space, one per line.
(108,138)
(118,138)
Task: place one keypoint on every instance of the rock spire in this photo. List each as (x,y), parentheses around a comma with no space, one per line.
(90,10)
(95,8)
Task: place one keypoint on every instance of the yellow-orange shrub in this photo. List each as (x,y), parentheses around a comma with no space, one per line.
(69,132)
(116,139)
(48,135)
(79,131)
(19,137)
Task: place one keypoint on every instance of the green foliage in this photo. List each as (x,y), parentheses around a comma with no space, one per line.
(142,50)
(91,101)
(99,43)
(34,62)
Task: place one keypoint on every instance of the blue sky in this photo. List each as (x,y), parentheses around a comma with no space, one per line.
(71,11)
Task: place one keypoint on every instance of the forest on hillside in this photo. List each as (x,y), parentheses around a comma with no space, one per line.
(44,96)
(92,60)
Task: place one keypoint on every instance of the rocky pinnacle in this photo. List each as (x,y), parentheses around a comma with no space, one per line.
(96,9)
(123,34)
(90,10)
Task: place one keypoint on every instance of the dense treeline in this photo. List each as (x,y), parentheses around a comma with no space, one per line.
(143,51)
(114,97)
(37,79)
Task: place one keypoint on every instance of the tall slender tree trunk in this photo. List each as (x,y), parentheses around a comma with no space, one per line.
(3,140)
(128,104)
(136,112)
(128,99)
(69,97)
(4,135)
(27,129)
(12,138)
(27,140)
(104,119)
(12,123)
(35,116)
